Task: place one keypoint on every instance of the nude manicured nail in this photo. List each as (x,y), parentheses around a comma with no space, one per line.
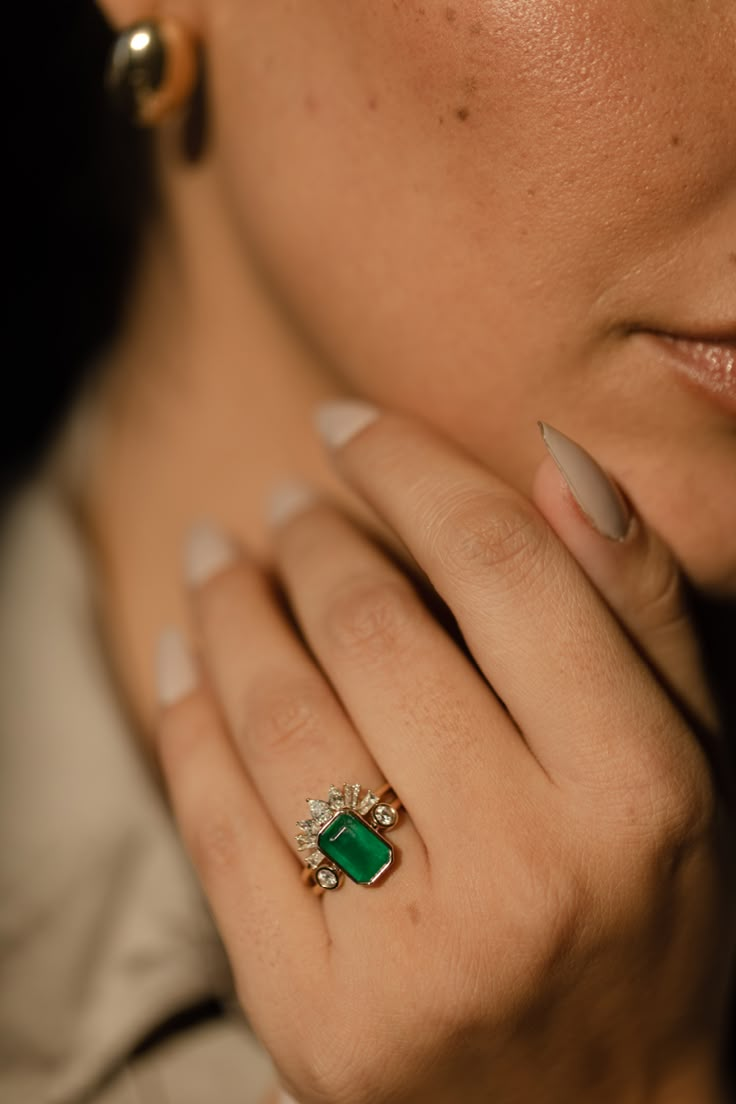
(176,673)
(287,499)
(207,550)
(595,493)
(339,420)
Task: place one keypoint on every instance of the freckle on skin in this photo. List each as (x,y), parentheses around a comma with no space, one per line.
(461,113)
(675,140)
(450,15)
(413,912)
(373,103)
(732,258)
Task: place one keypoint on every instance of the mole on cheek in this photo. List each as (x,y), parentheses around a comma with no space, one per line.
(469,89)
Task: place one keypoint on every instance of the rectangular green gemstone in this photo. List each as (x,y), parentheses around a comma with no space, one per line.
(351,843)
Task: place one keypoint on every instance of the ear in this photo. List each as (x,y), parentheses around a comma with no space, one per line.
(123,13)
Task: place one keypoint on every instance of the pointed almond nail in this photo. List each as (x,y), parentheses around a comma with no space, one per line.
(207,550)
(339,420)
(176,673)
(287,499)
(595,493)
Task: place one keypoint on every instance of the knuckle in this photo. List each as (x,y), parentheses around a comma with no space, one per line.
(669,837)
(493,532)
(538,923)
(667,796)
(280,715)
(371,617)
(682,804)
(335,1073)
(183,731)
(543,912)
(213,840)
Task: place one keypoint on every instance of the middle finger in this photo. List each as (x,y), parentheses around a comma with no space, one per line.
(425,714)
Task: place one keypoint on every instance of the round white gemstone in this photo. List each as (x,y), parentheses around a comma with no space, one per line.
(327,878)
(384,815)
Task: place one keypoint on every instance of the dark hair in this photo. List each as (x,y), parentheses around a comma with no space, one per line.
(84,183)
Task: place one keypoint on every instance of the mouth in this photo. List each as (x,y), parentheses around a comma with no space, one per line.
(706,363)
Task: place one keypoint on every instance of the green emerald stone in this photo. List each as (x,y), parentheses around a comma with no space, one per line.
(351,843)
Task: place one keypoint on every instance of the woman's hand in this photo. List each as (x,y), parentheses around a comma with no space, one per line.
(558,923)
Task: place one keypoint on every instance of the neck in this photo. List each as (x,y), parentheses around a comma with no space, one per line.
(203,402)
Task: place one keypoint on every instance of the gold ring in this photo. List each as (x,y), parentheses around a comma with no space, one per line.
(345,836)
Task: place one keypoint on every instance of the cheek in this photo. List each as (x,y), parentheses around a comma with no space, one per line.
(421,179)
(582,120)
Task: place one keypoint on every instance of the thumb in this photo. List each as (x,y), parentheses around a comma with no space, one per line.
(628,563)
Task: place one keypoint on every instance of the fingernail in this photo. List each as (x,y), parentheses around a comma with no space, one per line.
(339,420)
(176,673)
(287,499)
(207,550)
(595,493)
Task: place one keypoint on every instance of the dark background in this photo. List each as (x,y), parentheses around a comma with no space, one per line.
(77,183)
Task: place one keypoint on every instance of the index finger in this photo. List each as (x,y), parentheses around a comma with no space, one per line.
(539,631)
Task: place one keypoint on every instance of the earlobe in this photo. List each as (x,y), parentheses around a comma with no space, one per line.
(124,13)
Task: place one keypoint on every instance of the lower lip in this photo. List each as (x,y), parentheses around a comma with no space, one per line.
(709,366)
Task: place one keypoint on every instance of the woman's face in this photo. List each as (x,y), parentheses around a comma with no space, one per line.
(472,207)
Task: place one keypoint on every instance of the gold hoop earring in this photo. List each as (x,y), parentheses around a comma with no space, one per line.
(153,70)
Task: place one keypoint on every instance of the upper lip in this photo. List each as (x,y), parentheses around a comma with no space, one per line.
(707,335)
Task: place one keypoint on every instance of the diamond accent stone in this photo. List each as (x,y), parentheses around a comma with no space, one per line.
(385,815)
(305,841)
(351,791)
(327,878)
(320,810)
(336,798)
(367,803)
(315,859)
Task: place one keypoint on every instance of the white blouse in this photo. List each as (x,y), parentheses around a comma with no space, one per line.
(104,933)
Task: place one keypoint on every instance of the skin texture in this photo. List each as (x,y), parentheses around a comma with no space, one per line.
(536,178)
(460,212)
(556,871)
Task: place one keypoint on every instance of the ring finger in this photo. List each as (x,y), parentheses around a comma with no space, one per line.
(289,728)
